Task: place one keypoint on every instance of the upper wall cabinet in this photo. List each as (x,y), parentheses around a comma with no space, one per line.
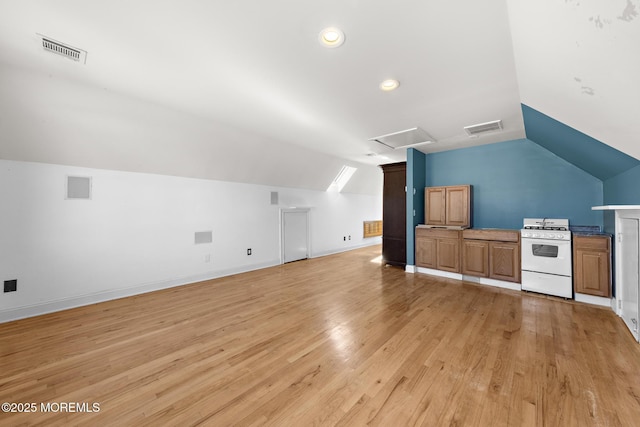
(448,206)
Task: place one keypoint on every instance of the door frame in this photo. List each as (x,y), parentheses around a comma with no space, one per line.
(294,210)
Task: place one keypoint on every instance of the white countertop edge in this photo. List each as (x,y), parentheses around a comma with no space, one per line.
(615,208)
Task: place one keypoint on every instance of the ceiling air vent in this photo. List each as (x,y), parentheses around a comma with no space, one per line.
(62,49)
(483,127)
(404,138)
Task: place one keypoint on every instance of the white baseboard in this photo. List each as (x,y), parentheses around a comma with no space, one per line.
(493,282)
(473,279)
(439,273)
(410,268)
(591,299)
(346,249)
(17,313)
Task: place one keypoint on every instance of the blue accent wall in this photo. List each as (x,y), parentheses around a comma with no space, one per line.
(518,179)
(598,159)
(623,189)
(415,197)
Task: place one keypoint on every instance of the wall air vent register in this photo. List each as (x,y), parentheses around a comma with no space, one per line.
(475,130)
(63,49)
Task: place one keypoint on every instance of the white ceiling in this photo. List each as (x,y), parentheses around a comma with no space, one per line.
(243,91)
(578,61)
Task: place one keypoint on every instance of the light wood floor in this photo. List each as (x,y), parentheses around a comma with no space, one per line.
(339,340)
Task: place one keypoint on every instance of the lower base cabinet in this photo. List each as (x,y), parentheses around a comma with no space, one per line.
(448,256)
(492,253)
(592,265)
(438,249)
(475,256)
(504,261)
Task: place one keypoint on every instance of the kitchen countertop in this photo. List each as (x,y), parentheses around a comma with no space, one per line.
(615,207)
(591,233)
(444,227)
(587,230)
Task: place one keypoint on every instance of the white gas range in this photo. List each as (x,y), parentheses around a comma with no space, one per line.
(546,257)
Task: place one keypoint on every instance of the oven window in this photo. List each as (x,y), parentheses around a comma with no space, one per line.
(548,251)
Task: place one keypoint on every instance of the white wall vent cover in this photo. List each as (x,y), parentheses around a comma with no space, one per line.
(274,197)
(201,237)
(404,138)
(474,130)
(51,45)
(79,187)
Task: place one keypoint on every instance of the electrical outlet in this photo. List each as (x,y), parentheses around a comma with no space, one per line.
(349,237)
(344,238)
(11,285)
(207,258)
(249,251)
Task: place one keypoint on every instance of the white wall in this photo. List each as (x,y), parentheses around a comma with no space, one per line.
(59,121)
(137,232)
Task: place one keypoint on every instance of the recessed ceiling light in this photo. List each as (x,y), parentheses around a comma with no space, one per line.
(389,84)
(331,37)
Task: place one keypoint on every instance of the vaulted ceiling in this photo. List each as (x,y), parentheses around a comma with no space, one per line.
(243,91)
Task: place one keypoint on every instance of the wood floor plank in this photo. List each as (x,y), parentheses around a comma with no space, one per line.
(338,341)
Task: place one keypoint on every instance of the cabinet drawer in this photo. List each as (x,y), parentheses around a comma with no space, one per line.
(600,243)
(495,235)
(439,233)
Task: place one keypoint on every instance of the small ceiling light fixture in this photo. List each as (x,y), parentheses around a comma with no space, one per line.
(331,37)
(389,85)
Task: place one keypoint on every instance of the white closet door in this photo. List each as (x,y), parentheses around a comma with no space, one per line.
(295,235)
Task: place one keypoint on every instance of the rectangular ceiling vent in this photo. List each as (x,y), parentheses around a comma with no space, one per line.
(63,49)
(404,138)
(475,130)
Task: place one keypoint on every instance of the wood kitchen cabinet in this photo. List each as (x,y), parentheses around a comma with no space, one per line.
(438,249)
(592,265)
(434,200)
(426,250)
(394,218)
(491,253)
(504,261)
(450,205)
(475,256)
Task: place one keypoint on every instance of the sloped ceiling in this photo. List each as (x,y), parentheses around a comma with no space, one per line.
(578,62)
(243,91)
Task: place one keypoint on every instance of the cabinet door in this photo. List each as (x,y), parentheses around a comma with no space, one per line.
(592,272)
(457,206)
(475,258)
(435,205)
(504,261)
(426,252)
(448,255)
